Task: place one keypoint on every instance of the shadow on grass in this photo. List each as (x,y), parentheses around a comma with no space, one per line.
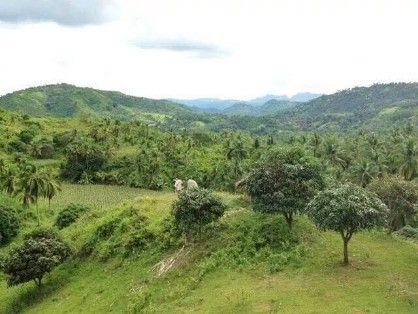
(32,294)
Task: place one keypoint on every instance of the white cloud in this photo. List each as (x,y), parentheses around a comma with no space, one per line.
(251,48)
(65,12)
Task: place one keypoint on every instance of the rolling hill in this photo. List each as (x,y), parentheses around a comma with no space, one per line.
(249,109)
(64,100)
(373,107)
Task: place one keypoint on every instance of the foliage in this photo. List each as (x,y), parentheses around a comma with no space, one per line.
(408,232)
(126,233)
(9,223)
(284,181)
(38,255)
(83,158)
(401,197)
(196,208)
(69,215)
(347,209)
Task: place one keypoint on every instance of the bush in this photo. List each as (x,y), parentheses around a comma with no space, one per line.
(26,136)
(9,223)
(43,149)
(196,208)
(38,255)
(408,232)
(69,215)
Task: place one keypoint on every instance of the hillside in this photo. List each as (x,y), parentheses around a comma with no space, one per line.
(234,268)
(362,107)
(64,100)
(250,109)
(227,105)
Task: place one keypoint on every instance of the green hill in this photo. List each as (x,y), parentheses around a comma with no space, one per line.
(374,107)
(247,263)
(249,109)
(64,100)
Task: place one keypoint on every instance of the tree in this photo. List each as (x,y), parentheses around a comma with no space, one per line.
(51,188)
(410,160)
(31,185)
(347,209)
(7,180)
(364,173)
(315,142)
(9,223)
(38,255)
(400,196)
(196,208)
(284,181)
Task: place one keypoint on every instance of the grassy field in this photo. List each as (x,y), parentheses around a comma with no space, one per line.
(382,276)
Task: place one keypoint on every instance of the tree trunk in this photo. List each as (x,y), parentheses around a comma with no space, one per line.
(37,214)
(38,281)
(289,220)
(345,260)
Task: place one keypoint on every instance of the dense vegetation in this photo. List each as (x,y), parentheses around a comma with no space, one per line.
(78,174)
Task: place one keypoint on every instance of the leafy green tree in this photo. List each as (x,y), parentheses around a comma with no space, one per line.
(283,182)
(196,208)
(38,255)
(347,209)
(9,223)
(83,158)
(400,196)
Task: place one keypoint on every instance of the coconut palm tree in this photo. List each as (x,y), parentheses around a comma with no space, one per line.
(31,186)
(51,188)
(364,173)
(410,160)
(315,142)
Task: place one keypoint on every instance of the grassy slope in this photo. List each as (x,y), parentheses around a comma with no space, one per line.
(64,100)
(383,277)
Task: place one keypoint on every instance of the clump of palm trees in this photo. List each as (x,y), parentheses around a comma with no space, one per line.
(28,183)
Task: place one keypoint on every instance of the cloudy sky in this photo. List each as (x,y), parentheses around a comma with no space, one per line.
(208,48)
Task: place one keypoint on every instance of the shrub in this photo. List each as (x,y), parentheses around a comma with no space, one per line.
(408,232)
(63,139)
(9,223)
(26,136)
(347,209)
(196,208)
(69,215)
(38,255)
(43,149)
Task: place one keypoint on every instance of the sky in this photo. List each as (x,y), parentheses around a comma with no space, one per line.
(208,48)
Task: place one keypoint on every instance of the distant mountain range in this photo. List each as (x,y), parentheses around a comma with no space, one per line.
(375,107)
(219,105)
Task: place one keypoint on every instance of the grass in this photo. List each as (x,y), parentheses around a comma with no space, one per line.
(382,276)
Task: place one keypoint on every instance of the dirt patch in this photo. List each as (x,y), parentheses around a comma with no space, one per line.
(170,262)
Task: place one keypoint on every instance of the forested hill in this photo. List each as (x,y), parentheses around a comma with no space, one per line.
(376,107)
(64,100)
(372,107)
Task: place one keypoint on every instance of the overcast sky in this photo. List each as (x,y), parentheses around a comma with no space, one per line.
(208,48)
